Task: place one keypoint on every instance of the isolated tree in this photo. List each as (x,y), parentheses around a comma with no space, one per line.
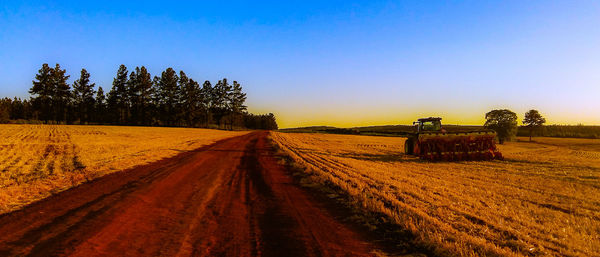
(42,92)
(61,97)
(83,97)
(504,122)
(533,120)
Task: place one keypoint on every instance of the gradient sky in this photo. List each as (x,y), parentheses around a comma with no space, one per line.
(340,63)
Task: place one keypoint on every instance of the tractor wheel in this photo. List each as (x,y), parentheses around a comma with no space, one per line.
(409,146)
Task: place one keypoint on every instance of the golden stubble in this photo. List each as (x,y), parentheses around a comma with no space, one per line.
(544,199)
(39,160)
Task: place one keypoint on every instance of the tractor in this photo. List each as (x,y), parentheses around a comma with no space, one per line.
(429,141)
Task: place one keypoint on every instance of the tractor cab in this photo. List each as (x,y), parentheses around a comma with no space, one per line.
(428,124)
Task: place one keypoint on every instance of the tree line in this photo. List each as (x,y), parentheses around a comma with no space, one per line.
(136,98)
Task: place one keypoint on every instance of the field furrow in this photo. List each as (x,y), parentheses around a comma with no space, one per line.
(38,160)
(542,200)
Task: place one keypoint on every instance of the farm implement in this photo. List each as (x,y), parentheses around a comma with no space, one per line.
(432,142)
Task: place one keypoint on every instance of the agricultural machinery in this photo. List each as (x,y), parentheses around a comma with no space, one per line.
(432,142)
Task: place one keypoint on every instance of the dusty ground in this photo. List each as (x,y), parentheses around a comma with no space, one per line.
(232,198)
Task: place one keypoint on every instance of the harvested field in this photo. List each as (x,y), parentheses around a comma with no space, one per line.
(544,199)
(38,160)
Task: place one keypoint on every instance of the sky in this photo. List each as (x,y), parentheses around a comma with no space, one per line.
(338,63)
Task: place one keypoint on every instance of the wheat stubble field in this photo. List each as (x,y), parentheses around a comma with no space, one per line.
(39,160)
(544,199)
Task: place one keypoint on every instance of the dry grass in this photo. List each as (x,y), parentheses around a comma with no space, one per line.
(38,160)
(544,199)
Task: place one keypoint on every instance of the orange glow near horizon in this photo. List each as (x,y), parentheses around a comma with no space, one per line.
(363,118)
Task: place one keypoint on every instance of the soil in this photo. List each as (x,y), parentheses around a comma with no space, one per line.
(232,198)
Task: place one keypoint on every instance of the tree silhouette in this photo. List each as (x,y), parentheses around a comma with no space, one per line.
(135,99)
(504,122)
(61,96)
(42,92)
(143,98)
(100,107)
(169,96)
(206,94)
(83,97)
(533,119)
(191,102)
(118,97)
(236,101)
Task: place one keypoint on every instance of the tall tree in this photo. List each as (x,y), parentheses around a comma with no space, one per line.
(533,120)
(42,92)
(83,97)
(132,97)
(504,122)
(220,93)
(118,97)
(191,102)
(206,98)
(143,100)
(236,100)
(100,107)
(61,99)
(169,96)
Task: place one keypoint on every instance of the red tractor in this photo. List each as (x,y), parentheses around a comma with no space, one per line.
(432,142)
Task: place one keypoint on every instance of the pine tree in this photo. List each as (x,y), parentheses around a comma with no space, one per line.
(156,103)
(206,101)
(61,98)
(118,97)
(169,96)
(144,96)
(236,100)
(100,106)
(191,102)
(132,97)
(83,97)
(182,113)
(220,100)
(42,92)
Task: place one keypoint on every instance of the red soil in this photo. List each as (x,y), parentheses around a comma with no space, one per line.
(231,198)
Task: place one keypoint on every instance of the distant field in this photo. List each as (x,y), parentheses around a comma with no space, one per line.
(570,131)
(544,199)
(37,160)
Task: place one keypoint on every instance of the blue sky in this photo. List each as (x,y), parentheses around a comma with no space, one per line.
(342,63)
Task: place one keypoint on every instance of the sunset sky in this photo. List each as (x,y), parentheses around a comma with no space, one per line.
(338,63)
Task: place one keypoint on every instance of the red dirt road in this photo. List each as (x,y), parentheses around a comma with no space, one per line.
(231,198)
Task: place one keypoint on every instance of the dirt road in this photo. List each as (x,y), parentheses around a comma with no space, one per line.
(231,198)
